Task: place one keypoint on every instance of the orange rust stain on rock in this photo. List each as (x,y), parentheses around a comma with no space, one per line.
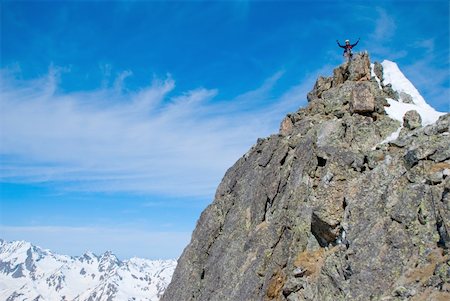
(311,261)
(423,273)
(439,166)
(276,285)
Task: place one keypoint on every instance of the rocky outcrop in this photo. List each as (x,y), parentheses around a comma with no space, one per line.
(362,99)
(325,211)
(412,120)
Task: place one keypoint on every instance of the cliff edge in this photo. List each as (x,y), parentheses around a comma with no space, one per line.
(349,201)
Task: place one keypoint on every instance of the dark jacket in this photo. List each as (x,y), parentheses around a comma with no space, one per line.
(347,47)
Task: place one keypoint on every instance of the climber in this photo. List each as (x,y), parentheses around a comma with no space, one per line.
(347,48)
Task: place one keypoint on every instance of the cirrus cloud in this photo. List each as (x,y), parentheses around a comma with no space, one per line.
(153,140)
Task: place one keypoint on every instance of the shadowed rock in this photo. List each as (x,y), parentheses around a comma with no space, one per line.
(323,211)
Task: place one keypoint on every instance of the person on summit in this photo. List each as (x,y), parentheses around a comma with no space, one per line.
(347,48)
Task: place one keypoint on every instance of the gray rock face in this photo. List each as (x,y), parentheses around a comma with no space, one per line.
(359,68)
(362,100)
(406,98)
(390,92)
(378,70)
(323,211)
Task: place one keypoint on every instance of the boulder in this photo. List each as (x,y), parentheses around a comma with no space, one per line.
(387,89)
(405,97)
(378,70)
(340,75)
(286,126)
(322,84)
(412,120)
(359,67)
(362,99)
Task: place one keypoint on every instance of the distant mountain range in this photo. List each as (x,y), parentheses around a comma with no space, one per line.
(28,272)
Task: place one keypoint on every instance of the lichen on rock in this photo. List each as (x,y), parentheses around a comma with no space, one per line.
(324,210)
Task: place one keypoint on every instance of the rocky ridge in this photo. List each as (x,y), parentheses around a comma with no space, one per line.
(333,207)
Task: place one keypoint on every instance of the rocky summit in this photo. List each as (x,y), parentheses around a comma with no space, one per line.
(348,201)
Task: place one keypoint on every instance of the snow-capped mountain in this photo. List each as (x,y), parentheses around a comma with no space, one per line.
(28,272)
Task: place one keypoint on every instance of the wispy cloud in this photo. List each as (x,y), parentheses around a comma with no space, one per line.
(425,44)
(149,141)
(384,31)
(385,26)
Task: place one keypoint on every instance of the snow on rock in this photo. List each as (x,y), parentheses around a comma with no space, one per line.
(392,136)
(27,271)
(397,109)
(372,73)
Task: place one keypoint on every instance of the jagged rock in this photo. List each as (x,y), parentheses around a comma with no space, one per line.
(380,103)
(340,75)
(440,126)
(378,70)
(412,120)
(323,211)
(286,126)
(405,97)
(331,95)
(362,100)
(359,68)
(322,84)
(356,70)
(387,89)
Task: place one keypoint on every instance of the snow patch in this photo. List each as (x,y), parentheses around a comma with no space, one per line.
(392,136)
(88,277)
(397,110)
(372,73)
(392,75)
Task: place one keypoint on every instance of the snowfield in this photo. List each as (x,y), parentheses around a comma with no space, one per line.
(28,272)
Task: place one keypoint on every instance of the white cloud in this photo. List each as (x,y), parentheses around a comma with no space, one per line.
(119,82)
(384,30)
(385,26)
(75,241)
(427,44)
(150,141)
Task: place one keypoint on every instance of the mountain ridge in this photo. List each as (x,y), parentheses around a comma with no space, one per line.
(346,202)
(28,272)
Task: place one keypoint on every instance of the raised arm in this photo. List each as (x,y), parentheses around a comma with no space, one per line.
(339,44)
(356,42)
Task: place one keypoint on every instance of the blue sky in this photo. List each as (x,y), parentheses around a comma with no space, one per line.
(119,119)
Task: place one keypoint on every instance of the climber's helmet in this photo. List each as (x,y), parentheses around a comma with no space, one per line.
(347,41)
